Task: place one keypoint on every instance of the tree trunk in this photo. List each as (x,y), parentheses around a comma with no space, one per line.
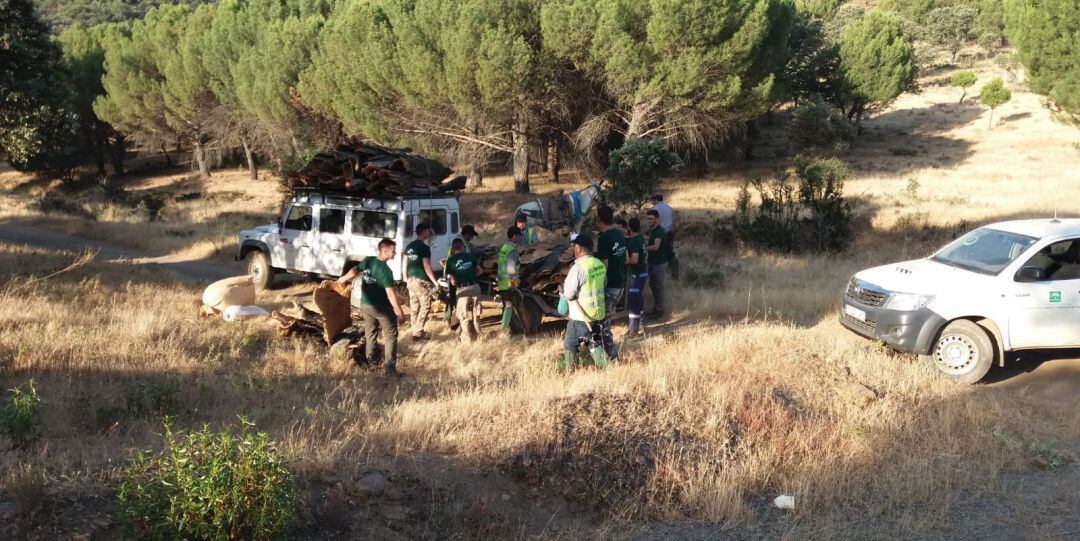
(639,114)
(553,159)
(199,154)
(963,95)
(476,174)
(250,157)
(117,148)
(991,118)
(168,159)
(521,156)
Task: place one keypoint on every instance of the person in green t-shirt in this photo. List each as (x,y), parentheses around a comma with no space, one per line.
(461,272)
(419,279)
(657,263)
(611,251)
(638,269)
(378,302)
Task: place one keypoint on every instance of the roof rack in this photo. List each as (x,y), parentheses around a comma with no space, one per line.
(433,194)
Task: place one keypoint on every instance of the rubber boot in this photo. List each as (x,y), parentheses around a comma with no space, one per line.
(508,313)
(599,357)
(632,328)
(567,361)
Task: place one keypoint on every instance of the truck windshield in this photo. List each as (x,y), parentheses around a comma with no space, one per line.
(986,251)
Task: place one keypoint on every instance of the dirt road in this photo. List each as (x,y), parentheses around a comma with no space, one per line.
(189,271)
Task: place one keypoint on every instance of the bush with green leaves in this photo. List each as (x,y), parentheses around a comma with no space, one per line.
(20,415)
(963,79)
(807,214)
(636,168)
(950,27)
(208,485)
(818,128)
(994,95)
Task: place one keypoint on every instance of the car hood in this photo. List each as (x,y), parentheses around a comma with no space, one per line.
(268,228)
(921,276)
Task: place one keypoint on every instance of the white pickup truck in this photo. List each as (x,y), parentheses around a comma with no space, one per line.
(1004,287)
(322,233)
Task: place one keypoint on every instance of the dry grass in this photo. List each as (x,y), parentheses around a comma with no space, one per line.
(752,390)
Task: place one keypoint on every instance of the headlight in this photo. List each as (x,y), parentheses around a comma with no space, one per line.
(908,302)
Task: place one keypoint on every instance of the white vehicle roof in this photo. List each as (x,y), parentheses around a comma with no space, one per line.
(1040,228)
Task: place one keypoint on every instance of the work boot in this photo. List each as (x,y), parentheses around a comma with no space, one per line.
(599,357)
(632,328)
(566,362)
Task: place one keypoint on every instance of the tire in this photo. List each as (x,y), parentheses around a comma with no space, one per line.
(963,352)
(259,269)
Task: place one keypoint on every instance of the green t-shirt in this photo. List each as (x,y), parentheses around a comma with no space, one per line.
(658,257)
(415,254)
(612,247)
(463,268)
(377,277)
(636,245)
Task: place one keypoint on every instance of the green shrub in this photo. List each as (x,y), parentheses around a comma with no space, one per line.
(809,214)
(963,79)
(636,168)
(20,416)
(816,127)
(206,485)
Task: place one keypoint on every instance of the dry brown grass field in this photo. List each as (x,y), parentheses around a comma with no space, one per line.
(750,390)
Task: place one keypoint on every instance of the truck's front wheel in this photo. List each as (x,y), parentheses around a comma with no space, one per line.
(259,269)
(963,352)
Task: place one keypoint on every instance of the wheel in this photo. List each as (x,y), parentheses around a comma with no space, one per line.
(963,353)
(259,269)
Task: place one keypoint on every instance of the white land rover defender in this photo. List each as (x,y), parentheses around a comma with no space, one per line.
(1005,287)
(322,233)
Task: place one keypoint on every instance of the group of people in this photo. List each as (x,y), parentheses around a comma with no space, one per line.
(625,260)
(621,263)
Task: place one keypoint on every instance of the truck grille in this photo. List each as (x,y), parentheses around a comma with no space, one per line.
(867,327)
(862,294)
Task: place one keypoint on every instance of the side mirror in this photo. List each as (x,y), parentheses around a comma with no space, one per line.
(1031,274)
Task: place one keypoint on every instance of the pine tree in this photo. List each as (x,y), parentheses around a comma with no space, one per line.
(35,121)
(84,57)
(688,71)
(1046,34)
(877,64)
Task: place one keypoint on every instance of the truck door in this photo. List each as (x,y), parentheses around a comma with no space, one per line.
(293,248)
(329,245)
(366,229)
(1045,310)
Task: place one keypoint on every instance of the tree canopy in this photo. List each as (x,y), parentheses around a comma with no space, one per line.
(683,70)
(1046,34)
(876,62)
(35,121)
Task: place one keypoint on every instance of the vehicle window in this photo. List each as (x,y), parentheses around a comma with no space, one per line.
(1058,261)
(436,219)
(299,218)
(985,250)
(370,223)
(454,226)
(331,220)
